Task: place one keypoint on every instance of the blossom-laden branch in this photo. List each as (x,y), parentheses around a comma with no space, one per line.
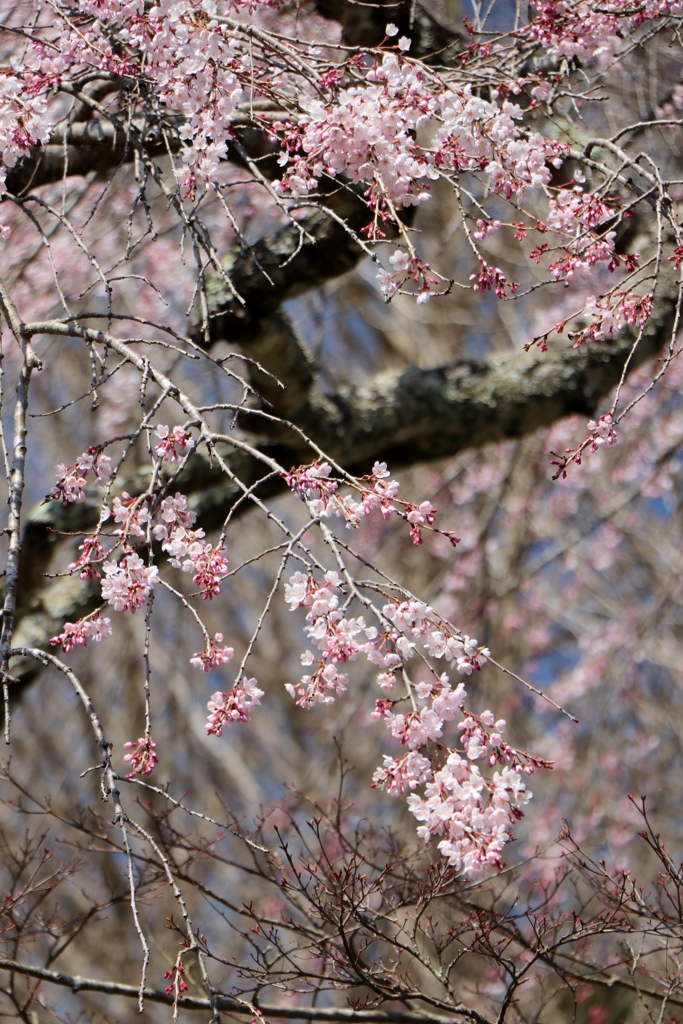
(403,418)
(352,156)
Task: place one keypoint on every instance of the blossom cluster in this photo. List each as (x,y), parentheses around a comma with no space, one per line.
(330,631)
(71,480)
(213,655)
(77,634)
(606,315)
(423,725)
(362,119)
(368,133)
(578,214)
(91,551)
(234,706)
(172,525)
(23,121)
(188,551)
(579,28)
(128,583)
(609,313)
(418,623)
(133,513)
(337,638)
(470,813)
(490,278)
(198,65)
(316,485)
(320,490)
(407,268)
(405,772)
(143,756)
(172,443)
(602,432)
(192,59)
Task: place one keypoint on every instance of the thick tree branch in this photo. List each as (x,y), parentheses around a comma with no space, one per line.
(320,245)
(101,146)
(409,415)
(414,415)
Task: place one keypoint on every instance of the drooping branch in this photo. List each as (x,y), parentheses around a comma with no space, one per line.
(403,418)
(45,605)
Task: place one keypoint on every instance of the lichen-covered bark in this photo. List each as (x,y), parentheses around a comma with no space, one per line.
(414,415)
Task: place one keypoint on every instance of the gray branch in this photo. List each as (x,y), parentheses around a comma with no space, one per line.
(243,1008)
(302,255)
(412,415)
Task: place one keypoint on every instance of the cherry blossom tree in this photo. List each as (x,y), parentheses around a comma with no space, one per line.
(216,501)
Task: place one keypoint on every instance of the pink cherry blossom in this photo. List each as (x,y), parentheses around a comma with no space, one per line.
(408,772)
(470,816)
(209,566)
(133,514)
(233,706)
(213,655)
(77,634)
(128,583)
(71,480)
(602,432)
(92,551)
(142,758)
(174,443)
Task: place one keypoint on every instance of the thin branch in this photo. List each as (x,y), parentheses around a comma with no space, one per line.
(236,1006)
